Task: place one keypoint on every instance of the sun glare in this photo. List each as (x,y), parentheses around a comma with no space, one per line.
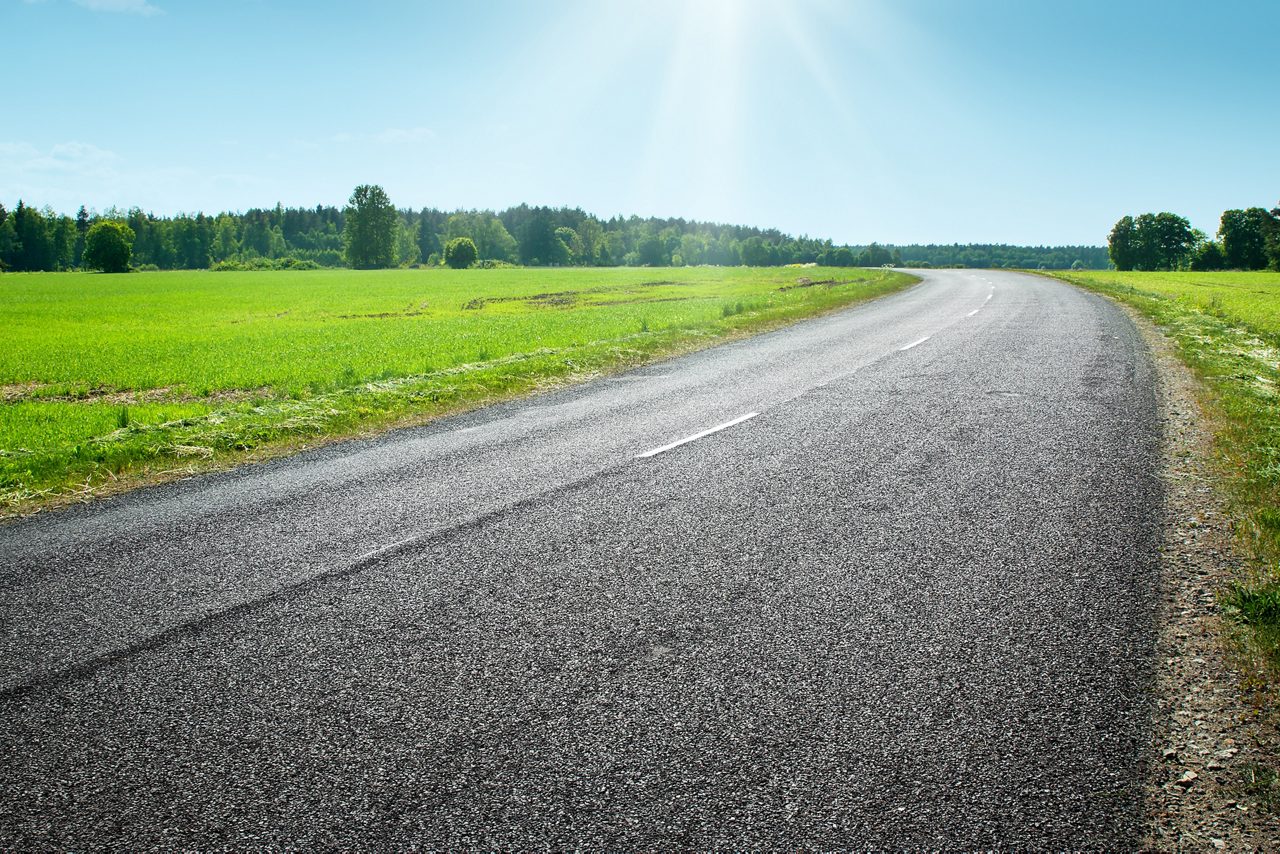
(697,120)
(720,52)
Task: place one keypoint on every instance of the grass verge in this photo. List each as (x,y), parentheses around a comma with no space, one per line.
(1227,329)
(114,383)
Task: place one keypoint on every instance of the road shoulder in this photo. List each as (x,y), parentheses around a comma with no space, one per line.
(1208,741)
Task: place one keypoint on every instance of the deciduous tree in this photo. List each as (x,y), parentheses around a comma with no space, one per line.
(1207,255)
(1151,241)
(1273,239)
(1244,238)
(1122,243)
(1171,239)
(370,228)
(108,246)
(460,253)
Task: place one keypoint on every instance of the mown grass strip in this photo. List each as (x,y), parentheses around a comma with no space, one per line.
(1227,329)
(203,377)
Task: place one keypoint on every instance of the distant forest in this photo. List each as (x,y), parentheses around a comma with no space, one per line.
(34,239)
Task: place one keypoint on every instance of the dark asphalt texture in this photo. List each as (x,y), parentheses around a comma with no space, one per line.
(908,605)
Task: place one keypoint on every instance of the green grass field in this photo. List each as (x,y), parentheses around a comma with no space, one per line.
(117,379)
(1227,327)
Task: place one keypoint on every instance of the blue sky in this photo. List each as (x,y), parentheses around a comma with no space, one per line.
(1018,121)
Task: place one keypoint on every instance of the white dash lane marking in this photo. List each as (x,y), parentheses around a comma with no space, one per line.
(915,343)
(687,439)
(972,313)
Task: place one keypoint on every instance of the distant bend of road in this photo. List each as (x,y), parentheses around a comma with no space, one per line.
(885,578)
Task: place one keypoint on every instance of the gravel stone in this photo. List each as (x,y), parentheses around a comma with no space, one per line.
(1202,717)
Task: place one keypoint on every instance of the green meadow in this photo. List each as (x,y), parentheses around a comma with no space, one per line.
(1250,300)
(115,380)
(1227,328)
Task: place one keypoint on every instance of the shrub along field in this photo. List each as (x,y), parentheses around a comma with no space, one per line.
(114,380)
(1227,327)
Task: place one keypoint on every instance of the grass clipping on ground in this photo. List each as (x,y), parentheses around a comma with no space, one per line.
(1227,329)
(111,382)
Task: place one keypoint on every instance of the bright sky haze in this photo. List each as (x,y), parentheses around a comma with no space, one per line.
(901,121)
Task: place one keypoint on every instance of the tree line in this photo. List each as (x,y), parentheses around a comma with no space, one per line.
(988,256)
(370,232)
(1247,239)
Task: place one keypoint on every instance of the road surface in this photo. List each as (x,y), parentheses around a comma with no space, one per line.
(885,578)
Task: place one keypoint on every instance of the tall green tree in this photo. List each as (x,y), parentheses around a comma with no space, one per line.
(1122,243)
(572,243)
(192,241)
(431,224)
(539,244)
(652,251)
(226,243)
(8,241)
(1244,238)
(407,249)
(1146,255)
(590,236)
(755,252)
(1152,241)
(1207,255)
(35,250)
(370,233)
(876,255)
(1273,239)
(82,230)
(1172,239)
(62,239)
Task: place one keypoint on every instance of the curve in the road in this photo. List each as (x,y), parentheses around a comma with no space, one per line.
(885,578)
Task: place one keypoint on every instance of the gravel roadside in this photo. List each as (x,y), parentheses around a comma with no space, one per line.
(1207,737)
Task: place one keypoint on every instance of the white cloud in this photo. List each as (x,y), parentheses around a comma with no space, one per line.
(68,174)
(55,175)
(128,7)
(64,158)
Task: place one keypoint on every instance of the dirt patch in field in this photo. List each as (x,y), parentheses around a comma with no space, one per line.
(561,299)
(1209,741)
(30,392)
(643,301)
(14,392)
(549,300)
(804,282)
(380,315)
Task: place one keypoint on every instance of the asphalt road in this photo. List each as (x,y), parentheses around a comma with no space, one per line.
(907,603)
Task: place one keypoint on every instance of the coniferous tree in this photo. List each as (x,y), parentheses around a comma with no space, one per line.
(8,241)
(82,230)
